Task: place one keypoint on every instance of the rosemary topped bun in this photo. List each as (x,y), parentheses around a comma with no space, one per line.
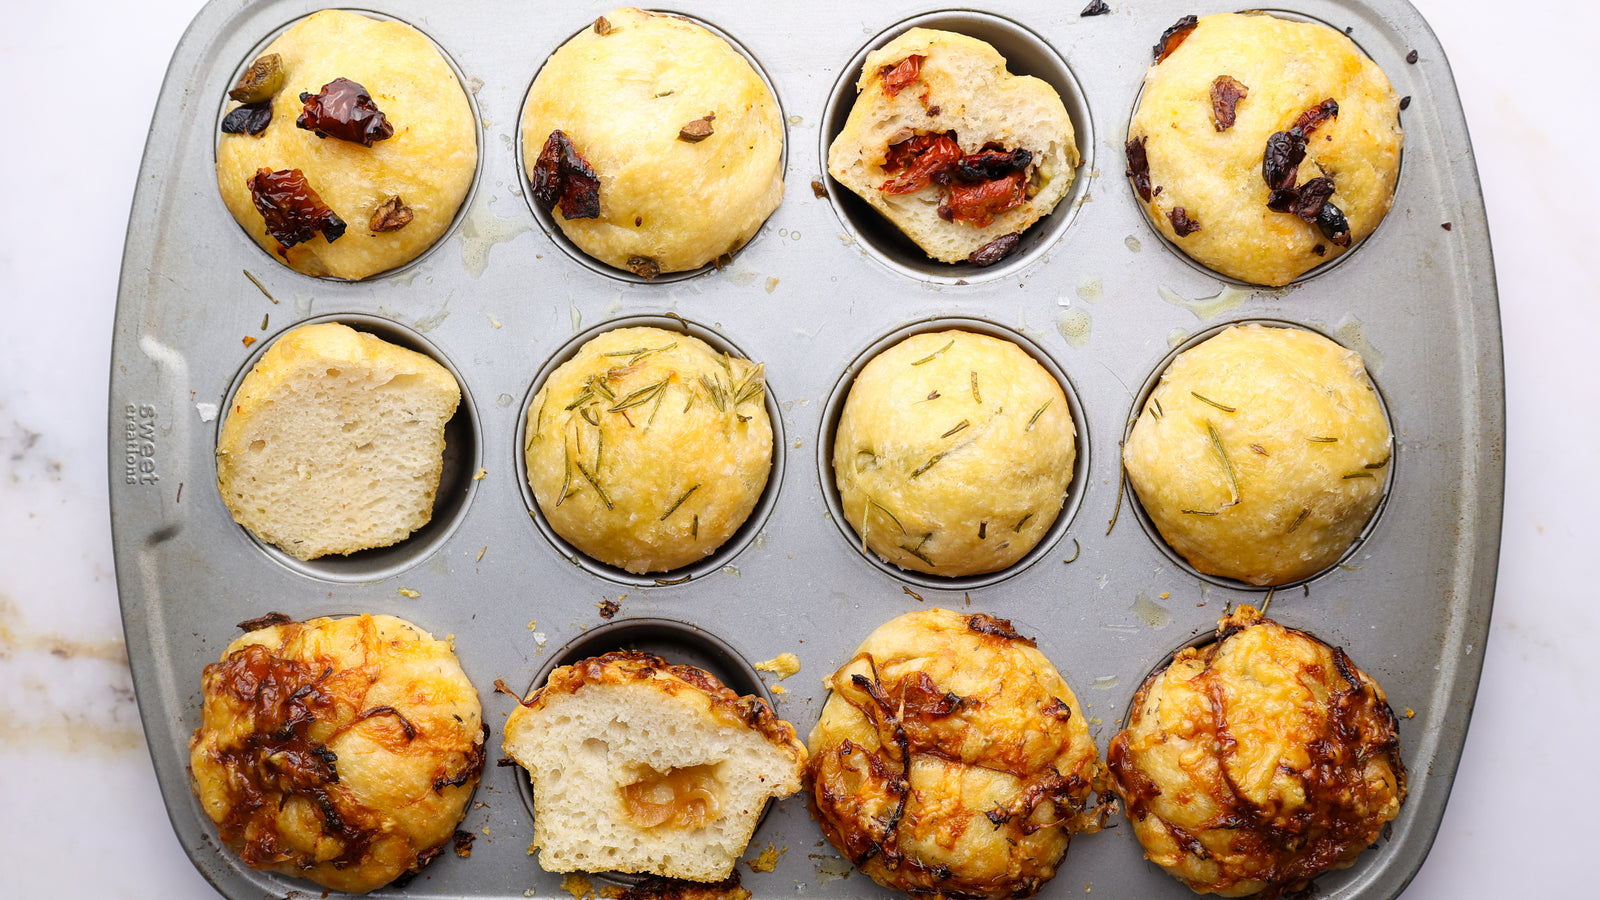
(1252,764)
(648,449)
(1261,454)
(953,453)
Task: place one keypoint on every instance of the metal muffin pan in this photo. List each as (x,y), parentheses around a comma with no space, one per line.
(499,301)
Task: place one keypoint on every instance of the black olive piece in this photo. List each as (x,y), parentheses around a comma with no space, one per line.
(1334,225)
(252,118)
(1280,163)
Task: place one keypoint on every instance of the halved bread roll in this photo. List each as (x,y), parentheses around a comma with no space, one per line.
(334,442)
(639,765)
(926,85)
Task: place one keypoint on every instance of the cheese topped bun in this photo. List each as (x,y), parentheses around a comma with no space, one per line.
(660,142)
(1263,147)
(1257,762)
(953,149)
(952,760)
(953,453)
(335,442)
(648,449)
(1261,454)
(339,750)
(391,180)
(639,765)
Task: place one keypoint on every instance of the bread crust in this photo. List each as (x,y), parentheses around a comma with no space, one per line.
(1216,176)
(1252,764)
(429,162)
(343,751)
(339,468)
(602,727)
(623,97)
(952,760)
(649,449)
(953,453)
(1261,454)
(961,86)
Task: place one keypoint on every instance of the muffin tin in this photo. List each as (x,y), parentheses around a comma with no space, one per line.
(500,301)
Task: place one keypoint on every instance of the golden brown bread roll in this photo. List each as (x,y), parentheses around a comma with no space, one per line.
(1252,764)
(952,760)
(343,751)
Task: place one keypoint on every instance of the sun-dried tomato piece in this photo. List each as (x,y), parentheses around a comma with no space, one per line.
(1181,223)
(987,165)
(1310,197)
(1139,168)
(1335,227)
(562,175)
(1173,37)
(1225,96)
(919,161)
(344,110)
(996,250)
(1316,115)
(1280,163)
(977,203)
(895,78)
(292,210)
(1095,8)
(252,118)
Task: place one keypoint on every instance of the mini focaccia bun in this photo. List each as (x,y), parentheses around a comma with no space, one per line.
(1221,91)
(639,765)
(648,449)
(953,453)
(392,196)
(343,751)
(671,125)
(953,149)
(335,442)
(1252,764)
(1261,454)
(952,760)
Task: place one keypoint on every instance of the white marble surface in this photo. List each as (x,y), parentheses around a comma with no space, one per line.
(82,814)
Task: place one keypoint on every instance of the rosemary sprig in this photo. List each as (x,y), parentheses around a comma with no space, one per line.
(1323,440)
(590,416)
(1257,448)
(885,510)
(595,482)
(959,427)
(1197,512)
(918,596)
(566,478)
(639,397)
(928,465)
(674,508)
(1227,464)
(1021,522)
(639,353)
(258,285)
(538,421)
(930,357)
(917,550)
(583,398)
(714,391)
(1159,411)
(976,396)
(983,531)
(1213,403)
(755,382)
(1077,551)
(598,385)
(1037,413)
(1377,465)
(1122,487)
(694,528)
(1267,603)
(1297,520)
(660,396)
(1359,475)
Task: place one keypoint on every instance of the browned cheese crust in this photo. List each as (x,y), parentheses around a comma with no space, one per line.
(952,760)
(1253,764)
(633,666)
(343,751)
